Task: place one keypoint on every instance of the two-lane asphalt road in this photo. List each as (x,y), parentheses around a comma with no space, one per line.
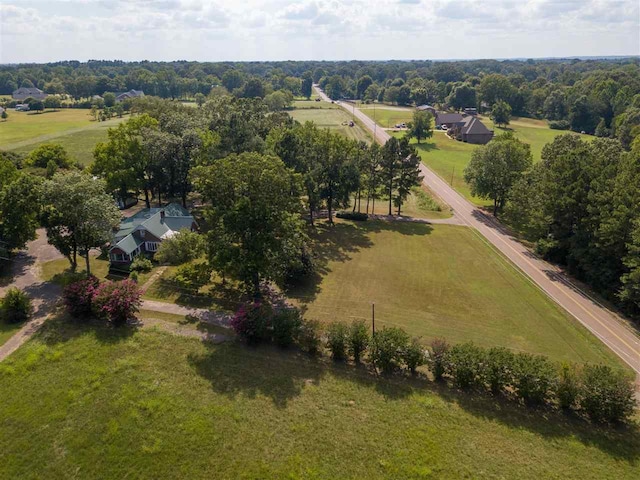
(602,322)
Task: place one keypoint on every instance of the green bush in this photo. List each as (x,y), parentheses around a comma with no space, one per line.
(358,339)
(252,321)
(533,377)
(387,347)
(133,276)
(183,247)
(498,371)
(559,125)
(192,276)
(141,264)
(414,355)
(607,395)
(337,335)
(15,307)
(438,357)
(309,337)
(286,323)
(357,216)
(567,386)
(465,365)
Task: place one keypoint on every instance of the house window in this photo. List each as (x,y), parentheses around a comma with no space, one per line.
(151,246)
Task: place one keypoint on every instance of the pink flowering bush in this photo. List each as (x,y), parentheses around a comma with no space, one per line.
(117,301)
(252,321)
(78,297)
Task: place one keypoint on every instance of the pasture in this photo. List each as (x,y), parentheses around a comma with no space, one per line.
(387,116)
(87,401)
(24,126)
(439,281)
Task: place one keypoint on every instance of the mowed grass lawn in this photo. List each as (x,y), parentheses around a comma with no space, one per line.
(91,402)
(419,204)
(80,145)
(448,158)
(439,281)
(388,116)
(331,117)
(21,126)
(7,330)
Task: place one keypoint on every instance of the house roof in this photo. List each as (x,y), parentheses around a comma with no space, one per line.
(473,126)
(425,107)
(128,237)
(448,118)
(130,94)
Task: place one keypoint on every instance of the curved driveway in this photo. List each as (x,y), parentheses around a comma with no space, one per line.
(614,331)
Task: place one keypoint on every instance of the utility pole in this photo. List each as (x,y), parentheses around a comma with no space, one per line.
(375,124)
(373,319)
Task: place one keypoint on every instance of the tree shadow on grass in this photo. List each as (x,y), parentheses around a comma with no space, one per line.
(340,242)
(621,442)
(282,375)
(62,329)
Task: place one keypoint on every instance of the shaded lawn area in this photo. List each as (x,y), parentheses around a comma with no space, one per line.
(419,204)
(8,330)
(99,403)
(80,145)
(439,281)
(332,117)
(216,295)
(58,270)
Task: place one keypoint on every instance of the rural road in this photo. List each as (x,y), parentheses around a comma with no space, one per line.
(612,330)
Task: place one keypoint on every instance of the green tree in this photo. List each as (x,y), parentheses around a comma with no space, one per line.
(183,247)
(254,216)
(52,102)
(501,113)
(123,161)
(109,99)
(199,98)
(307,84)
(462,96)
(19,205)
(232,79)
(495,168)
(78,215)
(4,115)
(408,173)
(421,127)
(49,152)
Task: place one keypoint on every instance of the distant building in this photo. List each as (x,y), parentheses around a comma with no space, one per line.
(144,232)
(471,130)
(23,93)
(130,94)
(471,111)
(427,108)
(448,119)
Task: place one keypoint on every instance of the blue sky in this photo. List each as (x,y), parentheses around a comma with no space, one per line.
(50,30)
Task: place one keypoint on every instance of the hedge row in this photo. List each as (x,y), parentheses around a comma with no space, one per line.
(601,393)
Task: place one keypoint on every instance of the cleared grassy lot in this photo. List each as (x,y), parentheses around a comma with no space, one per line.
(439,281)
(388,116)
(419,204)
(91,402)
(79,145)
(332,117)
(21,126)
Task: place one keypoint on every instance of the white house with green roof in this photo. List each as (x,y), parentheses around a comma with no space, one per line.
(145,231)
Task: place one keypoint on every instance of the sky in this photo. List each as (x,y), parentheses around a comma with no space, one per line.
(244,30)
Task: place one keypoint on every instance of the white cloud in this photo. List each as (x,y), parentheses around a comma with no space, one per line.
(44,30)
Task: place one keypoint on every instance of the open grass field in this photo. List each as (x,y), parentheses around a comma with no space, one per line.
(448,158)
(79,401)
(439,281)
(388,116)
(79,145)
(21,126)
(331,117)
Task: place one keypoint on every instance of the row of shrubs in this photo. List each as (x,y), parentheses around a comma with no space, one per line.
(357,216)
(601,393)
(116,302)
(15,306)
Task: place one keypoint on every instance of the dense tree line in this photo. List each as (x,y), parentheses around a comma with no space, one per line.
(581,204)
(596,96)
